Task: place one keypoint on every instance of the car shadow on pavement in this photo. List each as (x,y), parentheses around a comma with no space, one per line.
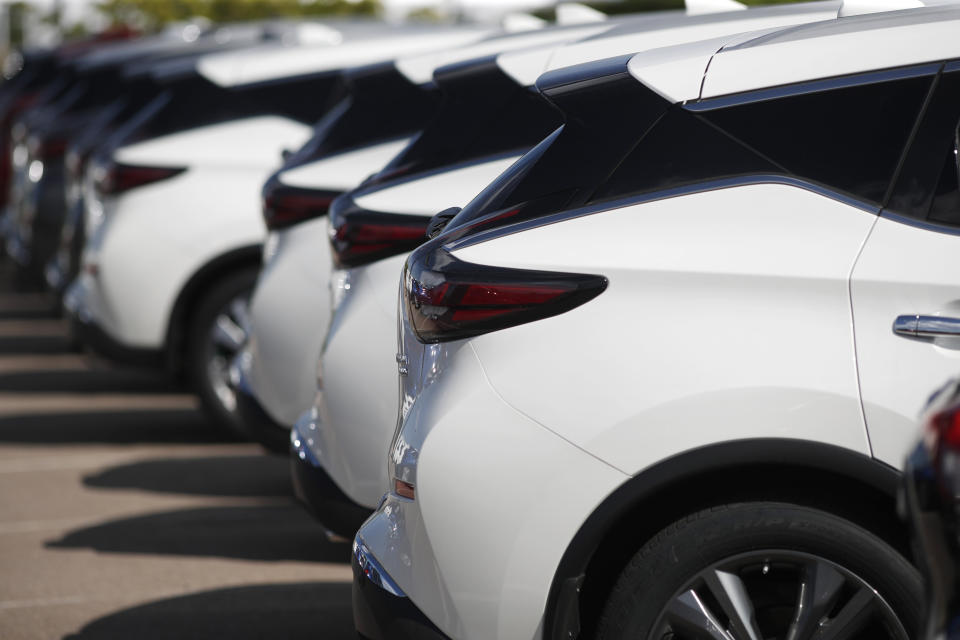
(153,426)
(240,476)
(300,610)
(90,381)
(273,532)
(45,344)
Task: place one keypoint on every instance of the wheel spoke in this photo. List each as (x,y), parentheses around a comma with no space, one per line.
(852,617)
(732,595)
(240,312)
(820,586)
(690,618)
(227,334)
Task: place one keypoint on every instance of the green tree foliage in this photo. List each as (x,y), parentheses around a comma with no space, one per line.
(156,13)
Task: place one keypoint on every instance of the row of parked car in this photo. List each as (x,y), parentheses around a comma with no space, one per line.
(664,294)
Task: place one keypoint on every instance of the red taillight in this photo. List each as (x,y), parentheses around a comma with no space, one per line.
(49,148)
(284,206)
(118,178)
(361,237)
(943,431)
(447,299)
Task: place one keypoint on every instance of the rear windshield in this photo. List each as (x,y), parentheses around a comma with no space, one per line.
(847,137)
(483,112)
(380,103)
(194,101)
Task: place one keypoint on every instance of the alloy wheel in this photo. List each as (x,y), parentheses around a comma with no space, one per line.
(227,336)
(777,595)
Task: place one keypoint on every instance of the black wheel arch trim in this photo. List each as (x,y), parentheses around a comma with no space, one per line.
(239,258)
(562,612)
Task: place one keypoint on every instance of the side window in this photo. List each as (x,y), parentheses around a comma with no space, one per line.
(682,149)
(849,139)
(945,208)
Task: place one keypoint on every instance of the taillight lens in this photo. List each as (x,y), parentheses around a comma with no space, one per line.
(117,177)
(48,148)
(942,431)
(448,299)
(360,236)
(284,206)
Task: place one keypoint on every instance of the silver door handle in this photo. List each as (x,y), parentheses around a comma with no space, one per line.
(917,326)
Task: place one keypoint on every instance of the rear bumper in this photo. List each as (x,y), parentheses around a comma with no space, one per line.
(272,435)
(85,330)
(380,609)
(318,492)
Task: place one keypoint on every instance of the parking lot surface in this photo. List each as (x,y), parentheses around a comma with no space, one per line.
(124,515)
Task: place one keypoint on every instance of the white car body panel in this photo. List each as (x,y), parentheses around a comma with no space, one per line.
(678,254)
(903,270)
(478,583)
(240,68)
(671,30)
(357,405)
(419,69)
(837,47)
(434,193)
(344,170)
(154,238)
(353,365)
(290,308)
(735,312)
(250,142)
(289,301)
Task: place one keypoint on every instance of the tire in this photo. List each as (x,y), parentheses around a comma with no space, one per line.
(744,564)
(209,352)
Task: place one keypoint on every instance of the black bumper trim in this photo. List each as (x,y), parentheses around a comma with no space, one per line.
(315,488)
(96,339)
(272,436)
(381,615)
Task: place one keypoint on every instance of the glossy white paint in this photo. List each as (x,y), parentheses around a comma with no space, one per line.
(149,241)
(669,29)
(289,312)
(357,403)
(837,47)
(152,239)
(235,68)
(640,33)
(419,69)
(903,270)
(343,171)
(498,497)
(688,346)
(452,187)
(250,142)
(719,262)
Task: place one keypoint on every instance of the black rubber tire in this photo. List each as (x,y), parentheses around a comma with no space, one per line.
(200,323)
(666,563)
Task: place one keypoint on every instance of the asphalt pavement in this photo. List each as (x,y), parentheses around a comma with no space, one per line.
(124,514)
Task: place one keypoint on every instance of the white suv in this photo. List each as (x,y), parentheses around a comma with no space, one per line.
(173,224)
(340,444)
(657,379)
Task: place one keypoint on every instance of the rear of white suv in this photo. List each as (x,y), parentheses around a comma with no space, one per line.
(636,396)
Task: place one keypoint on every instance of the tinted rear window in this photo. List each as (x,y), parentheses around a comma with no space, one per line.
(849,139)
(482,113)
